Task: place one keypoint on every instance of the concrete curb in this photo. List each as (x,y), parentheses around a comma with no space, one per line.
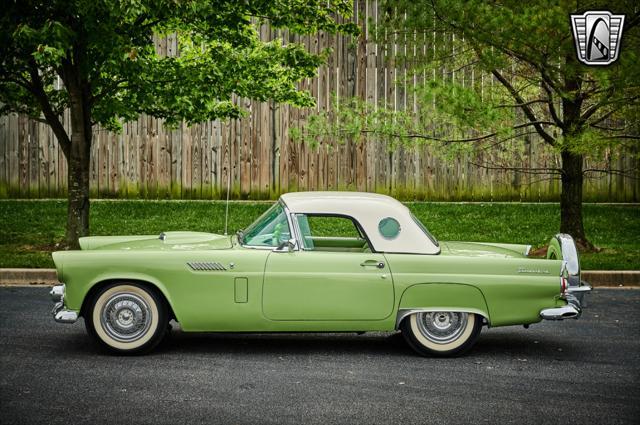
(624,278)
(611,277)
(28,277)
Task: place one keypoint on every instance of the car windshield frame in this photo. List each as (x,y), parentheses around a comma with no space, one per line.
(275,214)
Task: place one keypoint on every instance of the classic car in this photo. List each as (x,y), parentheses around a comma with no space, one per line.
(314,262)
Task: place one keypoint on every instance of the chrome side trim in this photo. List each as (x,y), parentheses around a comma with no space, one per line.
(268,248)
(404,312)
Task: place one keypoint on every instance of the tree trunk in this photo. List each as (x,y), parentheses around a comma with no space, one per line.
(78,205)
(571,199)
(572,177)
(78,162)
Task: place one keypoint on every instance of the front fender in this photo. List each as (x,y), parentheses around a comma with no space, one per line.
(77,294)
(442,297)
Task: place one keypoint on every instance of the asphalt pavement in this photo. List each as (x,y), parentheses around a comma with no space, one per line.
(577,371)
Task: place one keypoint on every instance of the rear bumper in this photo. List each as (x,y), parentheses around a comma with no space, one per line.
(573,309)
(59,313)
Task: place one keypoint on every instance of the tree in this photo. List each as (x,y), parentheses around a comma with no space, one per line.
(97,58)
(538,87)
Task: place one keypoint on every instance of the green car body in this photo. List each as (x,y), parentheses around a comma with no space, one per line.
(218,283)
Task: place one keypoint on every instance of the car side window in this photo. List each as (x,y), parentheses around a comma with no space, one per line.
(331,233)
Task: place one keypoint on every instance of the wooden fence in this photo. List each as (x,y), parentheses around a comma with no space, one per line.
(146,160)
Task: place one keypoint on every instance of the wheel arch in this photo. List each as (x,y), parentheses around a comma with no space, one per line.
(149,283)
(424,297)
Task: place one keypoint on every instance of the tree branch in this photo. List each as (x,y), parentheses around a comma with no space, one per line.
(602,118)
(601,127)
(551,106)
(634,21)
(520,169)
(450,141)
(622,136)
(606,101)
(594,108)
(112,87)
(52,119)
(519,105)
(623,173)
(425,137)
(525,108)
(515,136)
(19,81)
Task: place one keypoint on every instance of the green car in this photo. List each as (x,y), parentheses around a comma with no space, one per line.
(314,262)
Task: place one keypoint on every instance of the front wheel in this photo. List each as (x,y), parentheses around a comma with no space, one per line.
(441,333)
(127,318)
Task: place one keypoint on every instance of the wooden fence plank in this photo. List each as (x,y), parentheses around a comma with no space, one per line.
(23,167)
(245,153)
(34,165)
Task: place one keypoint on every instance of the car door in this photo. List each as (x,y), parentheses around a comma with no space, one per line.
(333,277)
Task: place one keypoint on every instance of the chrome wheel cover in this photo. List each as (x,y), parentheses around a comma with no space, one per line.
(442,327)
(126,317)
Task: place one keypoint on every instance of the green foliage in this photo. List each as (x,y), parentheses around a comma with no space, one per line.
(31,229)
(107,48)
(496,74)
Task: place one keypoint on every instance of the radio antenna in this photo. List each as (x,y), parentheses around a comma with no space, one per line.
(226,208)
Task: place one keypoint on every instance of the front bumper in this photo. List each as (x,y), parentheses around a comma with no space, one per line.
(59,312)
(573,309)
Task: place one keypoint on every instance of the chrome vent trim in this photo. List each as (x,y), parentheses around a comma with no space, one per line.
(206,266)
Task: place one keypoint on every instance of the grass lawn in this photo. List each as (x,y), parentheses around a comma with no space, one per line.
(30,230)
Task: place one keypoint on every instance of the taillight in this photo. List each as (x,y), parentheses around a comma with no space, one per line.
(563,285)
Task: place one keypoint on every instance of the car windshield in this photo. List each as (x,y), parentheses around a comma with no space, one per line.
(424,229)
(271,229)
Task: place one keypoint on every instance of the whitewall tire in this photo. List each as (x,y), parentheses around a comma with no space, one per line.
(441,333)
(127,317)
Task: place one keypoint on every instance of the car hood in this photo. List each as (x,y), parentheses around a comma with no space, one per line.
(162,242)
(483,249)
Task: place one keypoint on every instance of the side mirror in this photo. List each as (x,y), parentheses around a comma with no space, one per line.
(286,246)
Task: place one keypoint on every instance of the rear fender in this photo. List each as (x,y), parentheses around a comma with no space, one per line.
(442,297)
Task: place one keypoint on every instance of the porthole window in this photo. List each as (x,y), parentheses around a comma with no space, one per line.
(389,228)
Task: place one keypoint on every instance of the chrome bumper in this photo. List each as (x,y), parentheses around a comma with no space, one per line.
(573,309)
(61,314)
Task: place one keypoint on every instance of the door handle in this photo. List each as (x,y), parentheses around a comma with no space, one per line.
(373,263)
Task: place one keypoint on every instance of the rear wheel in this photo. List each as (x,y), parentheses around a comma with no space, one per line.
(441,333)
(127,318)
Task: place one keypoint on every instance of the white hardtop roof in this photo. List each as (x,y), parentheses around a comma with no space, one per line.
(367,209)
(299,202)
